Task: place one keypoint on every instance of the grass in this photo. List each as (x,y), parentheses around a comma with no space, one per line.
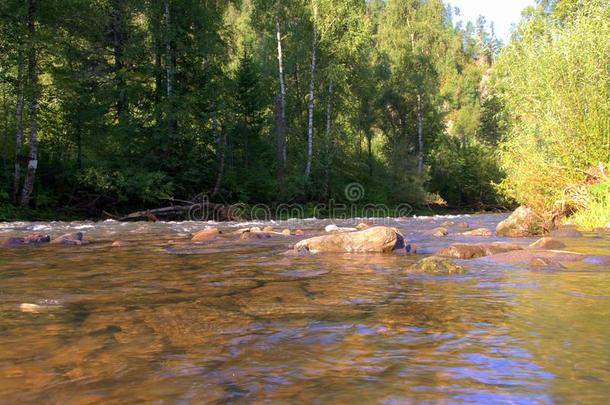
(597,212)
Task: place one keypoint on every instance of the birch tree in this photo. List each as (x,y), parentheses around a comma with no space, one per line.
(33,94)
(312,86)
(280,107)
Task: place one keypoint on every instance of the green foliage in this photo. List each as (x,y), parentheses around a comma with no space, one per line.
(139,103)
(597,212)
(464,174)
(554,81)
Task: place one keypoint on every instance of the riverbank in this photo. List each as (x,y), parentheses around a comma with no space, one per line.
(9,212)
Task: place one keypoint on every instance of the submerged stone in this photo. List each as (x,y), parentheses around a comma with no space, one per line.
(435,264)
(473,251)
(262,235)
(566,232)
(437,232)
(545,263)
(33,239)
(454,223)
(551,257)
(548,243)
(478,232)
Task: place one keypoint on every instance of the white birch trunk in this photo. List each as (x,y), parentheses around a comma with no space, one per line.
(311,97)
(281,105)
(28,184)
(18,129)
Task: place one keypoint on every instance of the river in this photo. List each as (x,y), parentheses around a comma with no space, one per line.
(163,320)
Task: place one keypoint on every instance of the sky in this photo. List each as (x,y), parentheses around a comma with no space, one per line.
(503,13)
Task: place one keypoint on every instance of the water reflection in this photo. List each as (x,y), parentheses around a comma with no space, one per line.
(232,321)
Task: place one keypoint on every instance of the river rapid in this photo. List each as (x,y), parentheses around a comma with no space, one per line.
(163,320)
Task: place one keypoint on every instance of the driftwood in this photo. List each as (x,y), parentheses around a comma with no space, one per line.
(193,211)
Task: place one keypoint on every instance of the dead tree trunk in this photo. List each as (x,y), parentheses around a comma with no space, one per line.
(311,98)
(280,106)
(221,146)
(28,184)
(5,140)
(369,144)
(18,129)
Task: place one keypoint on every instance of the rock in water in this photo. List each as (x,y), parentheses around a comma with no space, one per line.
(205,234)
(550,257)
(542,263)
(436,264)
(473,251)
(566,232)
(453,223)
(30,308)
(73,239)
(437,232)
(548,243)
(33,239)
(523,222)
(335,229)
(478,232)
(379,239)
(257,235)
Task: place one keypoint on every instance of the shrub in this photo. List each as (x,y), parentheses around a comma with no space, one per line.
(554,80)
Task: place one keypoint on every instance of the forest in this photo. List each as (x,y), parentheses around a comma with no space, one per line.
(117,105)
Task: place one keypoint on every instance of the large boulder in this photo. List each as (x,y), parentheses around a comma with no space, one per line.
(473,251)
(523,222)
(379,239)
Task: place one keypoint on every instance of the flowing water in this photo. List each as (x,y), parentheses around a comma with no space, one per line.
(236,321)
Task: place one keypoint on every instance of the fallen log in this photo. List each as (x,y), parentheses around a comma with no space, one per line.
(195,212)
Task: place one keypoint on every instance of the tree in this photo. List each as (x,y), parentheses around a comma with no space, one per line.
(33,92)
